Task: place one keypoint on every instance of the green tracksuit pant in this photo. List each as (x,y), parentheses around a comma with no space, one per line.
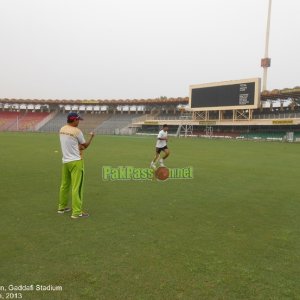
(72,178)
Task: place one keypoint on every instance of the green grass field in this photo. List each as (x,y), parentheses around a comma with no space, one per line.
(232,232)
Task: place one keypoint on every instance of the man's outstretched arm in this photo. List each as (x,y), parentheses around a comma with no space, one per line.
(85,145)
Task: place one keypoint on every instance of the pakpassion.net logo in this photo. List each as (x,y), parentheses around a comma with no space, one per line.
(110,173)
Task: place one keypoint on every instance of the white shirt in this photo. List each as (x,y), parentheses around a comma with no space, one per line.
(70,138)
(161,143)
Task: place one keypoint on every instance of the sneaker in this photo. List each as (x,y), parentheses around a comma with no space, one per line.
(82,215)
(64,210)
(152,165)
(161,162)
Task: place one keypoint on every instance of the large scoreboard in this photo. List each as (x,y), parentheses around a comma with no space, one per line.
(226,95)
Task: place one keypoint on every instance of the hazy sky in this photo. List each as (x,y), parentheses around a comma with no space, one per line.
(119,49)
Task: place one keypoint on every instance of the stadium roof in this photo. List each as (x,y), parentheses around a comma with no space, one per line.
(100,102)
(281,94)
(265,95)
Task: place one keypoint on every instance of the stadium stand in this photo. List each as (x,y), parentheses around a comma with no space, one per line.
(55,124)
(276,115)
(115,123)
(28,121)
(89,123)
(8,119)
(153,129)
(278,111)
(164,116)
(17,121)
(92,121)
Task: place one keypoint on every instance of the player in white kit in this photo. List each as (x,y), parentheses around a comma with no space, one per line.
(161,145)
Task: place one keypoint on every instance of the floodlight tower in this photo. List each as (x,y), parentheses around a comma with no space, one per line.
(266,61)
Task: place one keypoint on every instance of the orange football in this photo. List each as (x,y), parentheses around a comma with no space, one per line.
(162,173)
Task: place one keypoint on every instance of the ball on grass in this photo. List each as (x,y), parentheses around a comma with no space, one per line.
(162,173)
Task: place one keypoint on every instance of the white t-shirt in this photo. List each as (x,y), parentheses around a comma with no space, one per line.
(70,138)
(161,143)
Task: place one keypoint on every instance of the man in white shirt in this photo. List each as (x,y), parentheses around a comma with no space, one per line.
(72,144)
(161,145)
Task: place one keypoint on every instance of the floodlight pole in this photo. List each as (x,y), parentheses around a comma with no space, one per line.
(266,61)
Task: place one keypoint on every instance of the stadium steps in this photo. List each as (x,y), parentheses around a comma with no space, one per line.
(55,124)
(8,119)
(89,123)
(17,121)
(92,121)
(165,116)
(115,124)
